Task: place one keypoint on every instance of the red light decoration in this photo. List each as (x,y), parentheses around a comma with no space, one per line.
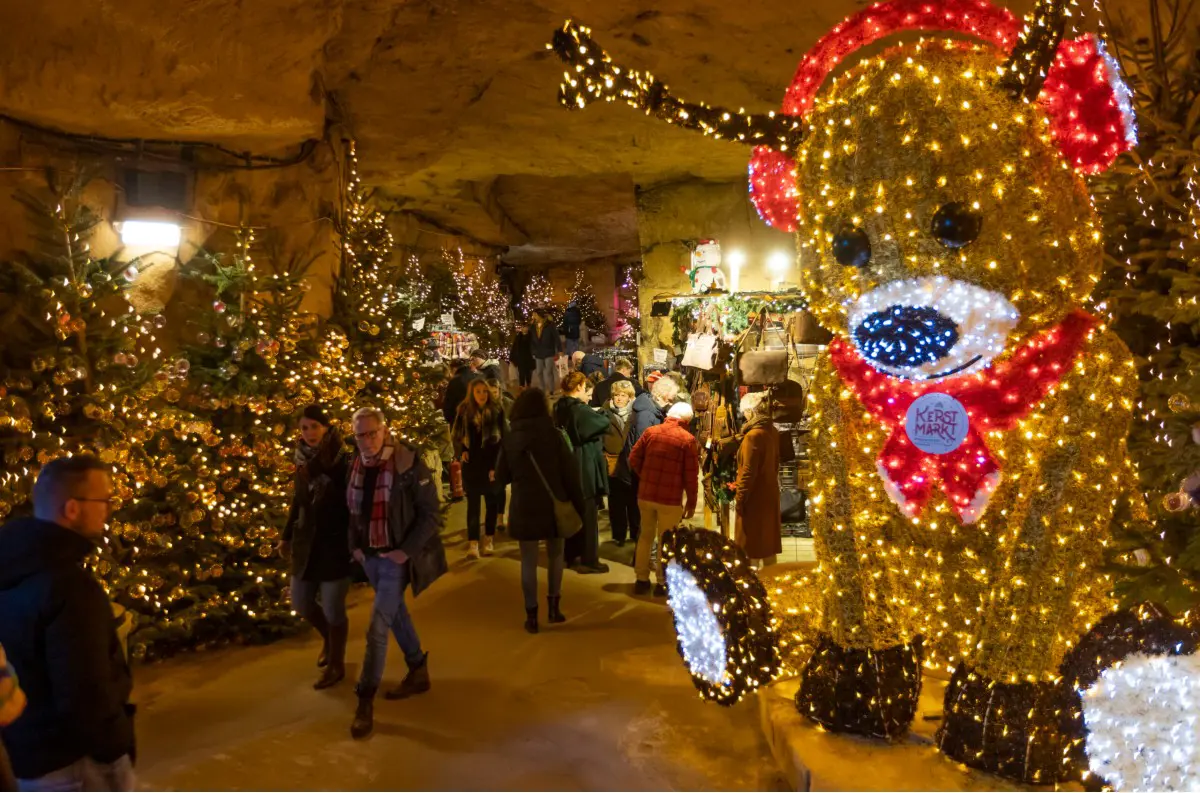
(1090,115)
(995,399)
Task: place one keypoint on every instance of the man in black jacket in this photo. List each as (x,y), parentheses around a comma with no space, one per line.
(456,390)
(622,370)
(57,627)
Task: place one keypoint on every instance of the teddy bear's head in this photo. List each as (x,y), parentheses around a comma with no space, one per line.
(937,219)
(940,214)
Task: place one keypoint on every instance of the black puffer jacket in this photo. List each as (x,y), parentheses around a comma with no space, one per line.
(57,627)
(319,519)
(531,511)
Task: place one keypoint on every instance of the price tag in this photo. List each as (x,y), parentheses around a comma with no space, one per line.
(936,423)
(660,355)
(448,320)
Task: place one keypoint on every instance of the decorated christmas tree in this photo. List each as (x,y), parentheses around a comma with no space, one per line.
(478,304)
(372,347)
(1151,218)
(539,293)
(584,297)
(195,554)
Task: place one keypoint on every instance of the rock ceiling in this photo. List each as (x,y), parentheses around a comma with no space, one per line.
(453,102)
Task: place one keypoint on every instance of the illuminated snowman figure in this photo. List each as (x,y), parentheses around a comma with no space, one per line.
(705,272)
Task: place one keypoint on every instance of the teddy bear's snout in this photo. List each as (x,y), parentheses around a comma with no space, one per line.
(906,336)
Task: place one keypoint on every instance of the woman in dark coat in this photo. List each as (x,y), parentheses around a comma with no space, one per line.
(533,437)
(314,539)
(585,428)
(623,511)
(521,356)
(478,430)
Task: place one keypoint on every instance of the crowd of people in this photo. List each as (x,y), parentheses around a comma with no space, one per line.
(595,439)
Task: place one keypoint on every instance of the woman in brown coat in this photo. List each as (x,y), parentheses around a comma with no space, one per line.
(760,529)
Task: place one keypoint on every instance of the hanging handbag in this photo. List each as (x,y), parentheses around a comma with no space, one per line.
(762,367)
(567,522)
(701,351)
(616,440)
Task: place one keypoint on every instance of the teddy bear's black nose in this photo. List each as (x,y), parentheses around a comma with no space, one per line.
(906,336)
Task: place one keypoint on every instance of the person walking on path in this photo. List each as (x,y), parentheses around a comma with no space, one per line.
(521,356)
(57,629)
(667,461)
(544,344)
(759,526)
(314,539)
(623,511)
(622,370)
(456,390)
(571,325)
(506,403)
(535,455)
(395,523)
(585,429)
(478,431)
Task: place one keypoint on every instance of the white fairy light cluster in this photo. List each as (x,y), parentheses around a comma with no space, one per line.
(1142,723)
(1121,93)
(700,637)
(983,318)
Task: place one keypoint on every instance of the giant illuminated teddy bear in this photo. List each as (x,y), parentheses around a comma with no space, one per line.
(969,418)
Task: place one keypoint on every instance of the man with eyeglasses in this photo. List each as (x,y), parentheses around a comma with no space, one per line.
(395,525)
(57,628)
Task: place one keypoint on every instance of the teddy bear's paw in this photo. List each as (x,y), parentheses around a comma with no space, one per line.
(1143,723)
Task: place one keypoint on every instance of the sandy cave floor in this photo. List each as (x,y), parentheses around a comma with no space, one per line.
(600,703)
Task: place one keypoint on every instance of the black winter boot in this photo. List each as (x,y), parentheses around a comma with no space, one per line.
(364,716)
(335,670)
(531,622)
(553,614)
(316,618)
(415,682)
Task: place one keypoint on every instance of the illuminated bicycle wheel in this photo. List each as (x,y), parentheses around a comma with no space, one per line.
(722,616)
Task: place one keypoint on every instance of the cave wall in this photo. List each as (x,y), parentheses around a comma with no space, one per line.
(670,216)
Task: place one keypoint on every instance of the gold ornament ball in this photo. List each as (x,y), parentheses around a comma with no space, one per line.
(265,550)
(1178,403)
(1175,502)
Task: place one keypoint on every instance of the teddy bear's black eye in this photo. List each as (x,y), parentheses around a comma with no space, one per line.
(852,247)
(956,224)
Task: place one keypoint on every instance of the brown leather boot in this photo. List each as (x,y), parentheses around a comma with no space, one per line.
(335,670)
(415,682)
(364,716)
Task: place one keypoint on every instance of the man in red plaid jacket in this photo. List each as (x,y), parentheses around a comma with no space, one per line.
(667,461)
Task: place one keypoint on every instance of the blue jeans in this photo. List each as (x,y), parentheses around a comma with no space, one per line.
(333,598)
(388,615)
(86,774)
(572,345)
(546,375)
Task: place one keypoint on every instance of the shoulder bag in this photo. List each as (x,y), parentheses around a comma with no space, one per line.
(567,521)
(762,367)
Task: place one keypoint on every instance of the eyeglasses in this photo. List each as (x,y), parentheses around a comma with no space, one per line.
(113,502)
(370,434)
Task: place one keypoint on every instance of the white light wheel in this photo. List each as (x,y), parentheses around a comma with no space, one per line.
(722,615)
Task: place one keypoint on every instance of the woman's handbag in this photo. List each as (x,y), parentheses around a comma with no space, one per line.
(567,521)
(701,351)
(762,367)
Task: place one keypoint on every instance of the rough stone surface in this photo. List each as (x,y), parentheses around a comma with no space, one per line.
(599,703)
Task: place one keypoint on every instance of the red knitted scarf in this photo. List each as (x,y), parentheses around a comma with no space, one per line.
(942,437)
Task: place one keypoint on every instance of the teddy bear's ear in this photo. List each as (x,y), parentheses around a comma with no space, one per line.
(773,188)
(1089,106)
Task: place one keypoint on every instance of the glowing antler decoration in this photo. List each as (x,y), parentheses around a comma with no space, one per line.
(593,76)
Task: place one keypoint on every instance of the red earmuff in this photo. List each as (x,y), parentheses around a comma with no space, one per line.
(1092,118)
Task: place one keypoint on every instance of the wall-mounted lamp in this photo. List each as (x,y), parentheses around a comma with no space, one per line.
(150,234)
(736,260)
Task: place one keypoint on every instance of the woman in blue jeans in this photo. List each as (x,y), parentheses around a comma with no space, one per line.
(314,539)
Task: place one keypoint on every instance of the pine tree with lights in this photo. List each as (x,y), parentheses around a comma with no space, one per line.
(81,369)
(371,350)
(1150,203)
(196,558)
(478,304)
(584,297)
(539,293)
